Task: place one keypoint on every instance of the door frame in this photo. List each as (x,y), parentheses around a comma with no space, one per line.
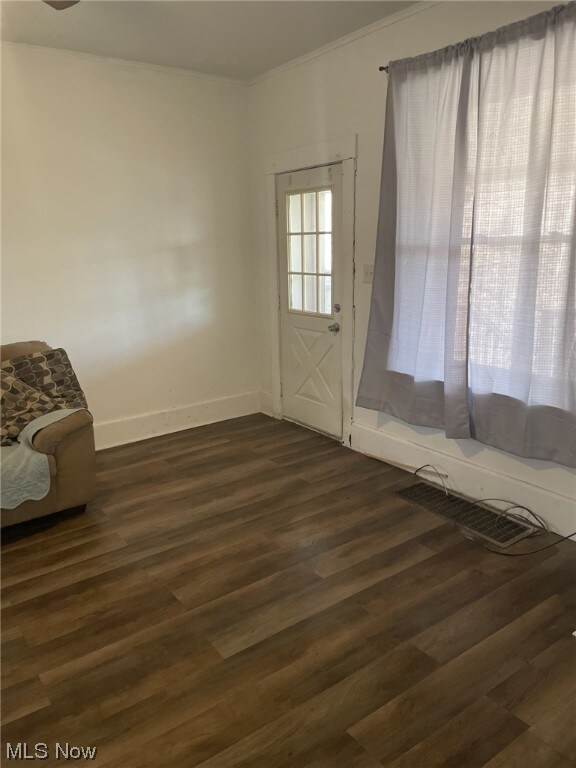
(342,151)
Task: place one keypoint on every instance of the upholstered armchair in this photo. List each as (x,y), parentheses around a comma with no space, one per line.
(69,446)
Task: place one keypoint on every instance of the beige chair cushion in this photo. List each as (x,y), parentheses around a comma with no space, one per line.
(7,351)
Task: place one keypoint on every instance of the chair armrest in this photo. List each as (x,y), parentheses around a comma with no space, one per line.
(48,439)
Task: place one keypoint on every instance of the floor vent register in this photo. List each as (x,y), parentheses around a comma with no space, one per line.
(494,526)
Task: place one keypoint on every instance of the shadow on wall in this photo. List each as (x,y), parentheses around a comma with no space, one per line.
(145,296)
(171,339)
(136,339)
(164,377)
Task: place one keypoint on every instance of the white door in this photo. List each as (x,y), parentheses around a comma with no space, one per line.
(309,205)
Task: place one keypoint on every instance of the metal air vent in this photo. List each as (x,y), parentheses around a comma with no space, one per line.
(496,527)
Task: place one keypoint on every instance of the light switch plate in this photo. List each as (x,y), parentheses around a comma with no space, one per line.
(368,273)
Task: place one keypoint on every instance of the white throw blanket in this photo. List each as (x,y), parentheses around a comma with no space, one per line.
(25,473)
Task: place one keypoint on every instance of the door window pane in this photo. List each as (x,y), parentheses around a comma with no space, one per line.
(295,292)
(309,207)
(325,210)
(309,253)
(325,254)
(310,304)
(295,253)
(294,213)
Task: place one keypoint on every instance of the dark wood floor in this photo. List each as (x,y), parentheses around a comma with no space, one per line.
(253,595)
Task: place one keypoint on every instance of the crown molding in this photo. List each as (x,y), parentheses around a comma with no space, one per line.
(141,65)
(371,29)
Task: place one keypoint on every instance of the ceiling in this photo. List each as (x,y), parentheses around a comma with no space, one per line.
(230,38)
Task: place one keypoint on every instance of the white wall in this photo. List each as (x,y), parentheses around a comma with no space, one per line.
(127,233)
(126,236)
(340,92)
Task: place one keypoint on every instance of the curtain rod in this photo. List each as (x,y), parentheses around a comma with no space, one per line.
(383,69)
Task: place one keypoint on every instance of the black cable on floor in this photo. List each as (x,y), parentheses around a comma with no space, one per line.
(516,554)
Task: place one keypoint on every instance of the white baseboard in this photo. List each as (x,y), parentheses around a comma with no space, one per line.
(145,425)
(471,478)
(266,406)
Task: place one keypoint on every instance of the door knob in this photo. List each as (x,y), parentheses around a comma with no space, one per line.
(335,327)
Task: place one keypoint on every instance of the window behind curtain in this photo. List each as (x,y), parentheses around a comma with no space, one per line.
(479,181)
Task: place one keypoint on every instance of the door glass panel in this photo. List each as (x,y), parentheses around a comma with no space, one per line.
(325,210)
(325,295)
(310,293)
(310,254)
(295,253)
(294,213)
(296,292)
(325,254)
(309,208)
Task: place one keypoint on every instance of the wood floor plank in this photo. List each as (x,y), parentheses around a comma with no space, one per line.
(529,750)
(470,739)
(559,626)
(342,752)
(558,726)
(474,622)
(409,612)
(368,542)
(22,699)
(84,570)
(291,609)
(250,594)
(415,714)
(549,679)
(116,621)
(282,664)
(275,743)
(43,564)
(63,610)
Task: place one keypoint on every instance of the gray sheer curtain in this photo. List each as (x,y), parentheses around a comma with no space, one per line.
(473,318)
